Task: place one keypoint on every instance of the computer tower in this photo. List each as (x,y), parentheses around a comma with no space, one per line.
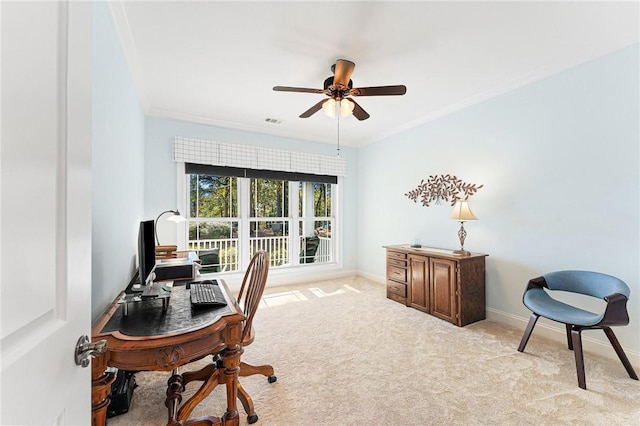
(175,269)
(121,393)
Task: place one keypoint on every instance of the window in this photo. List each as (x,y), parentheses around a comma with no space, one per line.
(269,219)
(314,209)
(213,217)
(239,215)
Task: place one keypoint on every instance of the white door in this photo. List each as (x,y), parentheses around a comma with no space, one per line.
(45,211)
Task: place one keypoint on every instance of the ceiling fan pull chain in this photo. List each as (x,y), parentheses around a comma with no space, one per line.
(338,135)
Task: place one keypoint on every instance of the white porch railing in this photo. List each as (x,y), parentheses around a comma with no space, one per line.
(324,255)
(227,251)
(276,246)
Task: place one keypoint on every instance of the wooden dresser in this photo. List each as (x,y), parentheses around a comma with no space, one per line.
(438,282)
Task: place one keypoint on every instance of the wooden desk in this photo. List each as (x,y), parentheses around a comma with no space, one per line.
(149,339)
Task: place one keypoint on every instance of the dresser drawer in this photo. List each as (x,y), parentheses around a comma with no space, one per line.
(399,289)
(397,262)
(396,273)
(396,255)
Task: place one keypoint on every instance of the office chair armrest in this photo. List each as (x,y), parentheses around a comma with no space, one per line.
(538,282)
(615,312)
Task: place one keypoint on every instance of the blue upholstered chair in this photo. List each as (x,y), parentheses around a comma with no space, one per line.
(537,297)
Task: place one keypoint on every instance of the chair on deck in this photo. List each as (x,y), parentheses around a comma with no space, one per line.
(309,250)
(614,291)
(209,261)
(248,299)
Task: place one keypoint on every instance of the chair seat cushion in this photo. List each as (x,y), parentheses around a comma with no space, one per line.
(539,301)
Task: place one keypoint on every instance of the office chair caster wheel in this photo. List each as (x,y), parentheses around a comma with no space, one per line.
(252,419)
(272,378)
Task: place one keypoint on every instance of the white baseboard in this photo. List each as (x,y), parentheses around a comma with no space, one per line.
(277,280)
(371,277)
(558,333)
(289,276)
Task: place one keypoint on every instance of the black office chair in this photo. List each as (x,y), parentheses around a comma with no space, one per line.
(615,292)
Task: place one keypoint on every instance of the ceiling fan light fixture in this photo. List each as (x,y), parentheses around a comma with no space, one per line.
(329,107)
(346,107)
(342,107)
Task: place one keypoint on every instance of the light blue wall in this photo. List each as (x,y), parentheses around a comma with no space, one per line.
(117,164)
(559,160)
(160,178)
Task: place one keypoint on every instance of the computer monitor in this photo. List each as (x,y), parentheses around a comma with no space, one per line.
(146,251)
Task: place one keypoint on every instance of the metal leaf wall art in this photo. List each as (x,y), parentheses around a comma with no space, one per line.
(442,188)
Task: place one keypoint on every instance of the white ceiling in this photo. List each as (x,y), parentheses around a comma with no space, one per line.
(217,62)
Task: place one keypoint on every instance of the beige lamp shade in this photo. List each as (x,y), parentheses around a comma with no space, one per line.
(462,211)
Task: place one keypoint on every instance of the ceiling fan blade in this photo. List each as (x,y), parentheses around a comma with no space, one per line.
(342,73)
(379,91)
(317,107)
(296,89)
(358,112)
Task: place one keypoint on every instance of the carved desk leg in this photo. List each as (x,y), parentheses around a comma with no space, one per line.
(174,396)
(100,389)
(231,360)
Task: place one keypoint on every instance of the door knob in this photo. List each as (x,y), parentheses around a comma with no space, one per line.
(85,350)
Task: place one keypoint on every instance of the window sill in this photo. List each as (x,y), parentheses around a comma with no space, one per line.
(287,275)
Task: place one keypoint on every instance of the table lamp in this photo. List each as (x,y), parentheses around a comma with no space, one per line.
(176,217)
(462,212)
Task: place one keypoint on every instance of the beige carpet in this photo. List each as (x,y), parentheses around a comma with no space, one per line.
(346,355)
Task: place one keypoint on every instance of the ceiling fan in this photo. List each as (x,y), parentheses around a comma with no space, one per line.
(339,88)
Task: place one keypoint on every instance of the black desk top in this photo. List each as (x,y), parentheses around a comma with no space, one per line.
(147,318)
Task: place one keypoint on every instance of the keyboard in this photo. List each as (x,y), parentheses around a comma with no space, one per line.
(206,294)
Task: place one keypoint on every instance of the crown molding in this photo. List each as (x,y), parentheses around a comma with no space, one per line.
(121,23)
(209,121)
(541,73)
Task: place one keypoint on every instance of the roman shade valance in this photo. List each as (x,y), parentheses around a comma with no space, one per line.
(255,158)
(205,169)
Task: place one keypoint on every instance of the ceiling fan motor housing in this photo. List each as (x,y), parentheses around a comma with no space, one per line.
(329,82)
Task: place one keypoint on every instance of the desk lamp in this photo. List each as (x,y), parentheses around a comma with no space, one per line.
(176,217)
(462,212)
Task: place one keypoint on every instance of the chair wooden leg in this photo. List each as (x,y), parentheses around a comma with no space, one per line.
(527,332)
(618,348)
(247,404)
(250,370)
(576,337)
(569,340)
(203,391)
(200,375)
